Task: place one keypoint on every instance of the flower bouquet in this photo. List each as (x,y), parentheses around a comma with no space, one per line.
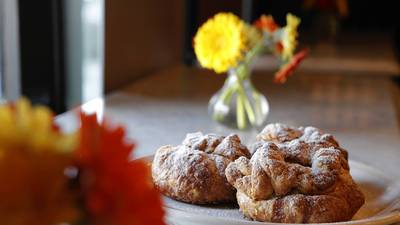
(225,43)
(87,177)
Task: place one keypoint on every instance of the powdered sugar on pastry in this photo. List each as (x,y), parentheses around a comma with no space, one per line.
(296,175)
(194,171)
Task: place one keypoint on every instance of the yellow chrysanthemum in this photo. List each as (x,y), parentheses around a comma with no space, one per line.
(220,42)
(289,40)
(25,127)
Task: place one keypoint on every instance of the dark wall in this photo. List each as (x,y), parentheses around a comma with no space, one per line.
(141,38)
(363,15)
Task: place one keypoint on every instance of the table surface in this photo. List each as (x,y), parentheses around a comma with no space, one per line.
(362,111)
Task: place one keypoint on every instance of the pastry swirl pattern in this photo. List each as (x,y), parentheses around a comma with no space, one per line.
(296,175)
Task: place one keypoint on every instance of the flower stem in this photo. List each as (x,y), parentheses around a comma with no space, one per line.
(225,97)
(249,109)
(257,104)
(242,73)
(240,113)
(227,94)
(245,113)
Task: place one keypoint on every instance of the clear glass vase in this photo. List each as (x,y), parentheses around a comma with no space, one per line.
(238,104)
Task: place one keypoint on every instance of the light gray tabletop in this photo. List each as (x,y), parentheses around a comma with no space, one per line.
(360,110)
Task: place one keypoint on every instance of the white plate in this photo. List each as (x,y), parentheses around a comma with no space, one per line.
(382,204)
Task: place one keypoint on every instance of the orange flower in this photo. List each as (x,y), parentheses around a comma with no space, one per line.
(34,189)
(266,23)
(287,69)
(279,47)
(33,158)
(116,191)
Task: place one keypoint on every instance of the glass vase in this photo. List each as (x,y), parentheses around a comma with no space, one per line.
(238,104)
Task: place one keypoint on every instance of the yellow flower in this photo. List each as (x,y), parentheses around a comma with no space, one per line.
(220,43)
(253,36)
(31,128)
(289,40)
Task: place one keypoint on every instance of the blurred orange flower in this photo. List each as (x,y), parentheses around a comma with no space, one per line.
(116,190)
(33,156)
(34,189)
(266,23)
(46,182)
(287,69)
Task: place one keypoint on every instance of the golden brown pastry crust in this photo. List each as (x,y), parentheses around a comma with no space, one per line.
(295,176)
(194,172)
